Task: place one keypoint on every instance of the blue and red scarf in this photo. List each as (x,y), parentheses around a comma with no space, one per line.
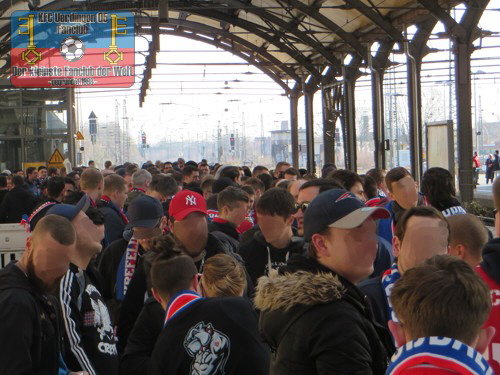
(388,280)
(180,302)
(440,353)
(126,269)
(25,220)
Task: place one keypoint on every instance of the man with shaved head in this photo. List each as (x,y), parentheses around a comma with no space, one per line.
(468,235)
(29,320)
(421,233)
(92,184)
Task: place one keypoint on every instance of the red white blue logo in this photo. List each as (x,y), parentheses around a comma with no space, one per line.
(344,196)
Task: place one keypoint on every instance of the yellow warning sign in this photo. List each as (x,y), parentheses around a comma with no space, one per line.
(56,160)
(79,136)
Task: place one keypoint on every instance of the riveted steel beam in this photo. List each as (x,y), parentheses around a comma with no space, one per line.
(377,19)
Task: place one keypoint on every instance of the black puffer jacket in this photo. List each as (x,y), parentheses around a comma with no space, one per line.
(319,323)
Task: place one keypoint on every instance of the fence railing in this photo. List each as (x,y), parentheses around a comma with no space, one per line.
(12,242)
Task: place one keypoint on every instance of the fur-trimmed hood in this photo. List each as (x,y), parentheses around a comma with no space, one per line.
(299,288)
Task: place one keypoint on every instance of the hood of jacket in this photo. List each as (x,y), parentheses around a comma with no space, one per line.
(491,259)
(296,244)
(224,226)
(276,291)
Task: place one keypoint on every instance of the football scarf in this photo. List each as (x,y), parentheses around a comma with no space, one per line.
(179,302)
(107,200)
(440,352)
(127,268)
(388,279)
(26,220)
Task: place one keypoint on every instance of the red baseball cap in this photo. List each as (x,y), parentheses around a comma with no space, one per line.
(185,202)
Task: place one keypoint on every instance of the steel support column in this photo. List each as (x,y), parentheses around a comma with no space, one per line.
(308,102)
(462,35)
(414,112)
(330,115)
(71,119)
(294,128)
(378,117)
(349,120)
(463,50)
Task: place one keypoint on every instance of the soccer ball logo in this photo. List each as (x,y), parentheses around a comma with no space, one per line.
(72,49)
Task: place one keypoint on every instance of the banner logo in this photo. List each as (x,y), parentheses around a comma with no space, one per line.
(72,49)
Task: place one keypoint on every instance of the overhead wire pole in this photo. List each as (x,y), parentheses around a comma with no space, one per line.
(117,135)
(126,137)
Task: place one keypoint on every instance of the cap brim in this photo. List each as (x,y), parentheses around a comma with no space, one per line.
(183,213)
(358,217)
(83,204)
(142,233)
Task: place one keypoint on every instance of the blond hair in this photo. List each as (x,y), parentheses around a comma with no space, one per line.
(223,276)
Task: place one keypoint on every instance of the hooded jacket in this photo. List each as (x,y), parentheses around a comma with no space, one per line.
(225,232)
(489,270)
(29,326)
(259,256)
(319,323)
(211,336)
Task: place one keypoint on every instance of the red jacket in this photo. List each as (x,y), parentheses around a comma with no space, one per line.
(476,162)
(492,354)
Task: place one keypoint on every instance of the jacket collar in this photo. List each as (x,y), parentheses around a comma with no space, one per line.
(305,288)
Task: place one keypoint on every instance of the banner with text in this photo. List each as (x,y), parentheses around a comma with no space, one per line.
(72,49)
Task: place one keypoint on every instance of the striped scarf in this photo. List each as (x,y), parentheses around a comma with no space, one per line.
(440,353)
(388,280)
(126,269)
(180,302)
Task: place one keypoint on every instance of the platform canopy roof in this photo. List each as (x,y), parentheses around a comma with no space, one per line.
(292,41)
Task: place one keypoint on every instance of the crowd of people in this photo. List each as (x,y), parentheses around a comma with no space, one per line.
(190,268)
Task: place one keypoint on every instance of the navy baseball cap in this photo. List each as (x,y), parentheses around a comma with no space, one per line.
(338,208)
(144,214)
(70,211)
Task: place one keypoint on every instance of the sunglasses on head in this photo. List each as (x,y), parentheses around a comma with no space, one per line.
(302,206)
